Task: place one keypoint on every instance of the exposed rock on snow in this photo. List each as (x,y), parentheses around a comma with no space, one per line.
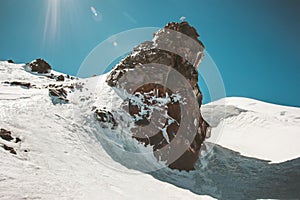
(58,95)
(177,47)
(10,149)
(40,66)
(18,83)
(5,135)
(106,118)
(60,78)
(59,92)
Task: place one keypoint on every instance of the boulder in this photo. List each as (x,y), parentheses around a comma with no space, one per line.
(5,135)
(60,78)
(39,66)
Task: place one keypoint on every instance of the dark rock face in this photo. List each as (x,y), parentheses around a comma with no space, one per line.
(10,61)
(5,135)
(40,66)
(178,47)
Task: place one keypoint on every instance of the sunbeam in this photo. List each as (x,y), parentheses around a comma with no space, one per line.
(52,23)
(59,14)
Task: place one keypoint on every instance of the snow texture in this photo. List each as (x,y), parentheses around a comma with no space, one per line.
(65,154)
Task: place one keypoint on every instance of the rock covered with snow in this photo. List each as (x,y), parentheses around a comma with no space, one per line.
(177,47)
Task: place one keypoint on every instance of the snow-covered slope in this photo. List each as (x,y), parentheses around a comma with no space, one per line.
(256,129)
(64,153)
(52,159)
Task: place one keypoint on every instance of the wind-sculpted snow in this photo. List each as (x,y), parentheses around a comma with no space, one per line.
(214,114)
(257,129)
(65,153)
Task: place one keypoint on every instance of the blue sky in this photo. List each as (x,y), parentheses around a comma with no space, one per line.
(255,44)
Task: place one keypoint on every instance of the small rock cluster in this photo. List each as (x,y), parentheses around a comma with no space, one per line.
(60,77)
(58,95)
(57,92)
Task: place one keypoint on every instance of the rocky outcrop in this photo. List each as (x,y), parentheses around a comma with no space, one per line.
(39,66)
(176,46)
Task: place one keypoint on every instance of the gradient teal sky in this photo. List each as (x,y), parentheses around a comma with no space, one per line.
(255,44)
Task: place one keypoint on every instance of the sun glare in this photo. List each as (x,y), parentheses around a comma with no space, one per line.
(68,12)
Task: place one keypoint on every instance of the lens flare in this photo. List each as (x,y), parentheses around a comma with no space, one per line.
(96,14)
(94,11)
